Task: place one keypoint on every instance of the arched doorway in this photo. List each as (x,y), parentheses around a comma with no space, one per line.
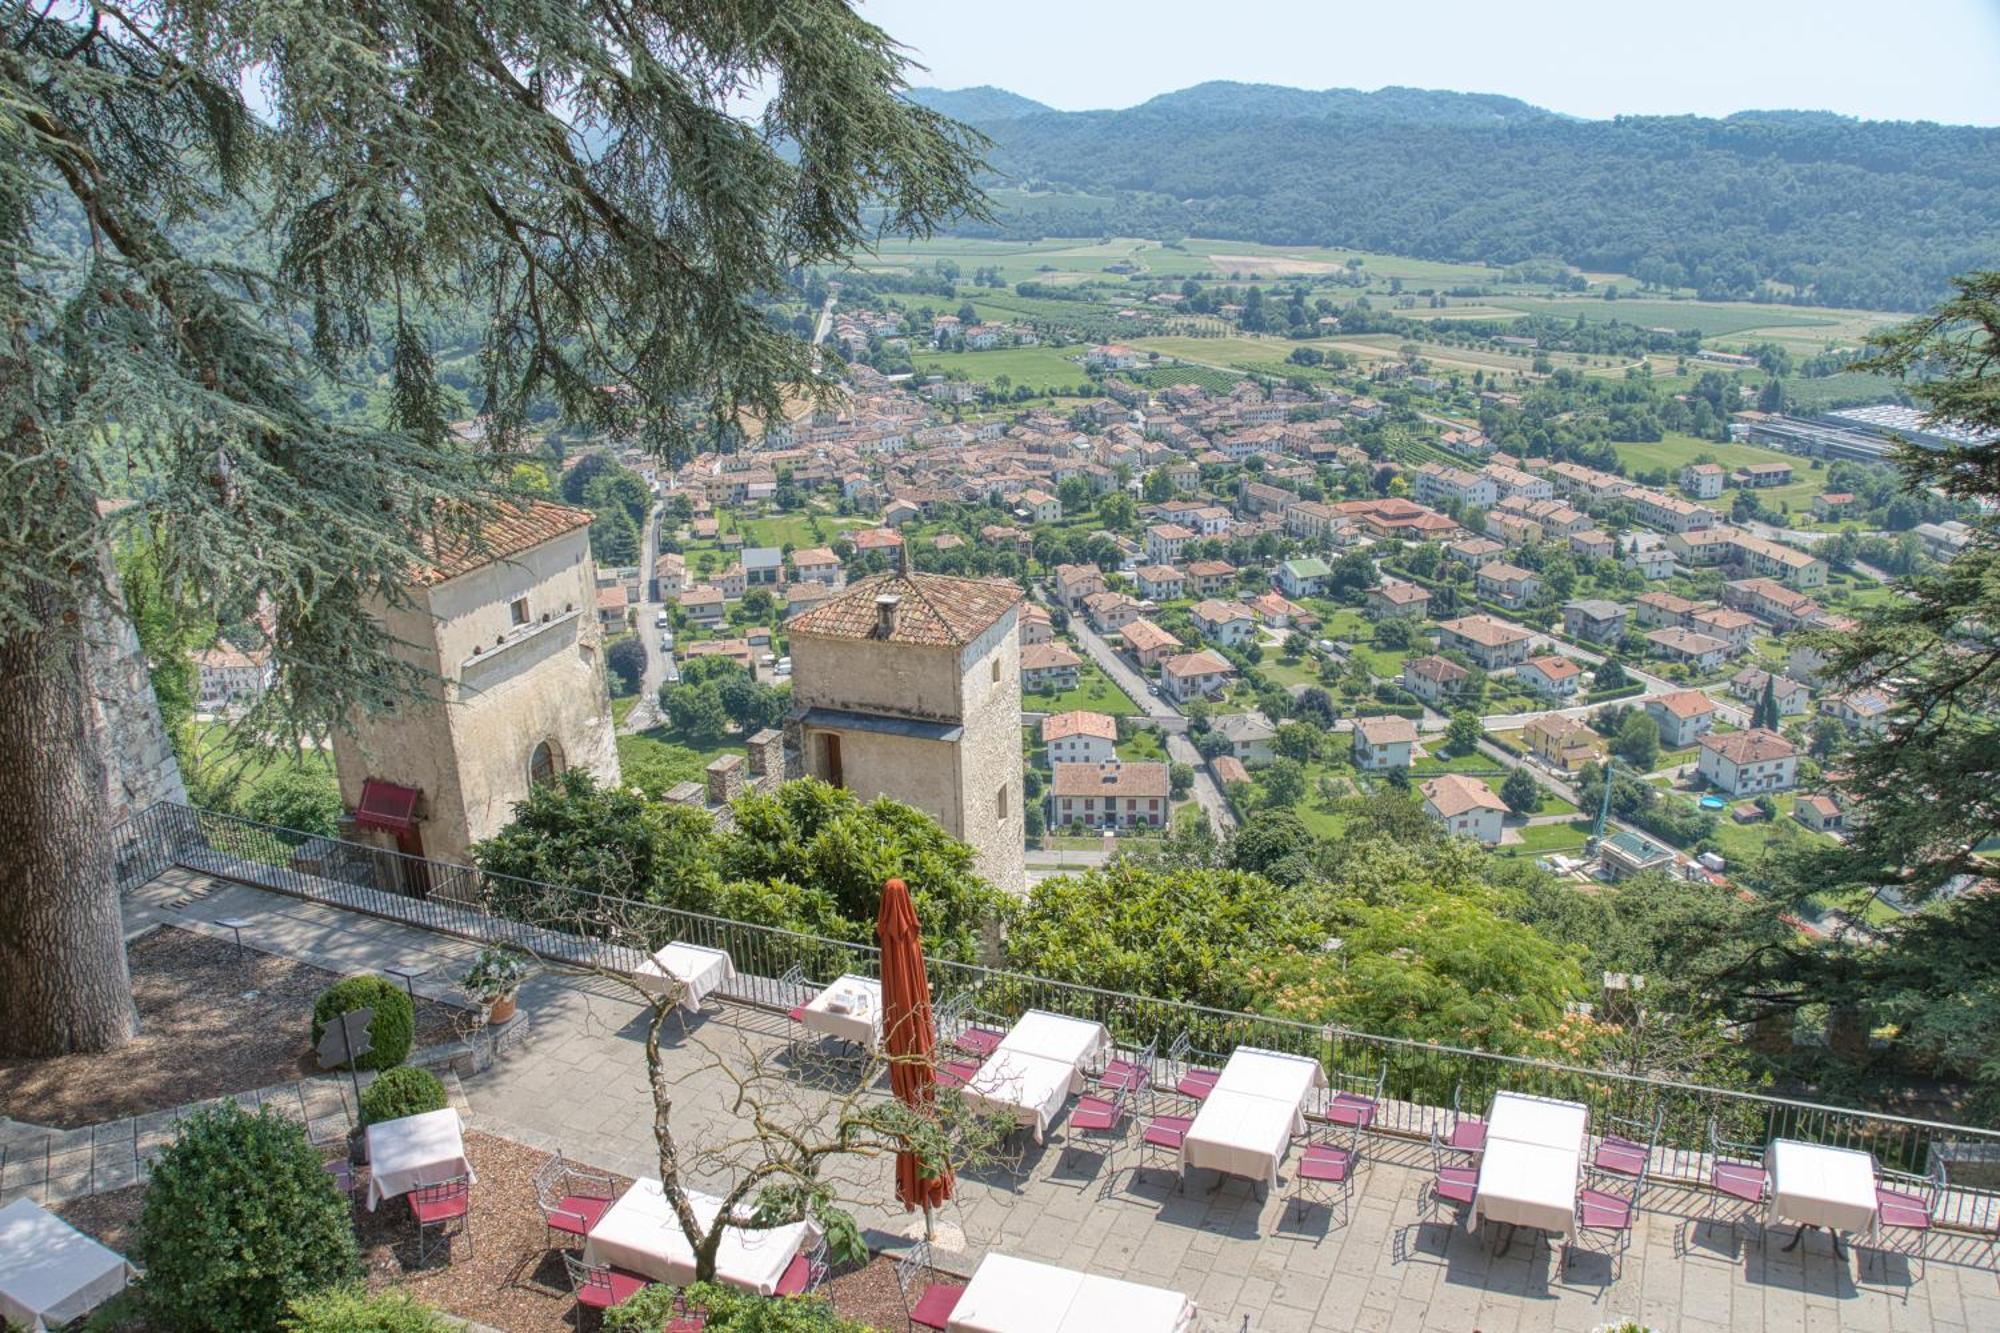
(544,763)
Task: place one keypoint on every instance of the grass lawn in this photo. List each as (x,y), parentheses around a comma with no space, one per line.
(1093,691)
(1476,764)
(1036,367)
(1541,839)
(1144,744)
(1553,804)
(1305,671)
(1741,844)
(1707,317)
(252,767)
(794,530)
(658,759)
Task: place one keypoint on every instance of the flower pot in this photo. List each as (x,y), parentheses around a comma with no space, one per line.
(500,1010)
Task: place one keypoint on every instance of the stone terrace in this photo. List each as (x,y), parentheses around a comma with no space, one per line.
(576,1081)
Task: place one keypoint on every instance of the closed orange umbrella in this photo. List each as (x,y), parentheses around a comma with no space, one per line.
(909,1036)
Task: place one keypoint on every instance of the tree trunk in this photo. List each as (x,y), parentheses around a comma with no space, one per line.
(63,981)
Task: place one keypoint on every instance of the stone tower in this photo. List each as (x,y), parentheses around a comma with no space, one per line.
(510,634)
(908,685)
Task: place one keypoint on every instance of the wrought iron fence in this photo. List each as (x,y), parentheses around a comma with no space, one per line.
(1422,1081)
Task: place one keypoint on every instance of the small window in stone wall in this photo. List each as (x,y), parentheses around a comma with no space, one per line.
(996,670)
(519,610)
(1000,802)
(544,763)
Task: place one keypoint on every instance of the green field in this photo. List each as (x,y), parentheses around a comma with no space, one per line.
(1541,839)
(1676,449)
(1093,691)
(1144,744)
(1036,367)
(249,766)
(1710,318)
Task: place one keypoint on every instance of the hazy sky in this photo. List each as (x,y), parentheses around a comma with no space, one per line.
(1905,60)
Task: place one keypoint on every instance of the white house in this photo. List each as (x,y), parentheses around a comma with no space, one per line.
(1745,763)
(1465,807)
(1552,676)
(1383,742)
(1683,716)
(1080,737)
(1224,623)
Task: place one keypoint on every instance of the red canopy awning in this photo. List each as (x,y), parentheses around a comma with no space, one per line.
(909,1037)
(387,806)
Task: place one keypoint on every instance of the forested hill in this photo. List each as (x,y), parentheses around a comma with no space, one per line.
(1828,209)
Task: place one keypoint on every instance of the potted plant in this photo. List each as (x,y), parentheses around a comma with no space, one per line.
(493,979)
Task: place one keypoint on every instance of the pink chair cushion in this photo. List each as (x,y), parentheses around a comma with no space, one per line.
(956,1073)
(981,1042)
(1325,1162)
(1348,1108)
(933,1308)
(798,1274)
(618,1287)
(1606,1212)
(1621,1157)
(798,1014)
(1197,1083)
(1893,1209)
(577,1214)
(428,1211)
(1457,1183)
(1740,1180)
(1167,1131)
(1124,1076)
(1469,1134)
(1095,1113)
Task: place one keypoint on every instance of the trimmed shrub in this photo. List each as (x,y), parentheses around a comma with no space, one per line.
(730,1310)
(405,1090)
(240,1219)
(353,1309)
(390,1032)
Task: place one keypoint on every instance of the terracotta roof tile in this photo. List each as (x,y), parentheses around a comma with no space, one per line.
(512,529)
(936,610)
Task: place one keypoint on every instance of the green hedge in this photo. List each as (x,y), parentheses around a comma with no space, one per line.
(390,1032)
(403,1091)
(1621,692)
(354,1309)
(240,1220)
(730,1310)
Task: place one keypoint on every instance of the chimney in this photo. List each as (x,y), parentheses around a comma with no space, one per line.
(885,614)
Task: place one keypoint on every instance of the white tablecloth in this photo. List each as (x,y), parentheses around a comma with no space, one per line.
(49,1271)
(1009,1295)
(1815,1185)
(1030,1087)
(696,969)
(640,1234)
(1240,1133)
(1246,1123)
(850,1010)
(1534,1155)
(426,1149)
(1077,1042)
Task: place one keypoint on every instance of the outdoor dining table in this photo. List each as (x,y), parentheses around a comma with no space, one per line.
(849,1010)
(696,969)
(640,1234)
(414,1151)
(1532,1161)
(1043,1059)
(1817,1186)
(51,1273)
(1009,1295)
(1246,1123)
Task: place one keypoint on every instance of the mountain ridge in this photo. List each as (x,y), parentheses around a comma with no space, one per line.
(1771,205)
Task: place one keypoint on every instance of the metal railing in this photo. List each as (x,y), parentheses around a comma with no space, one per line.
(1422,1079)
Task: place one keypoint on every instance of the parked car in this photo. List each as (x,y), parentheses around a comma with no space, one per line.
(662,620)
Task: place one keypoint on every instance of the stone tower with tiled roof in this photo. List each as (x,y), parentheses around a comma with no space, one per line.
(908,685)
(507,627)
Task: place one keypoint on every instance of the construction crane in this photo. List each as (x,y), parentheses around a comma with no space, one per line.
(1604,801)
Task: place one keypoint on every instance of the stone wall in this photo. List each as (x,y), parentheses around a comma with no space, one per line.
(139,762)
